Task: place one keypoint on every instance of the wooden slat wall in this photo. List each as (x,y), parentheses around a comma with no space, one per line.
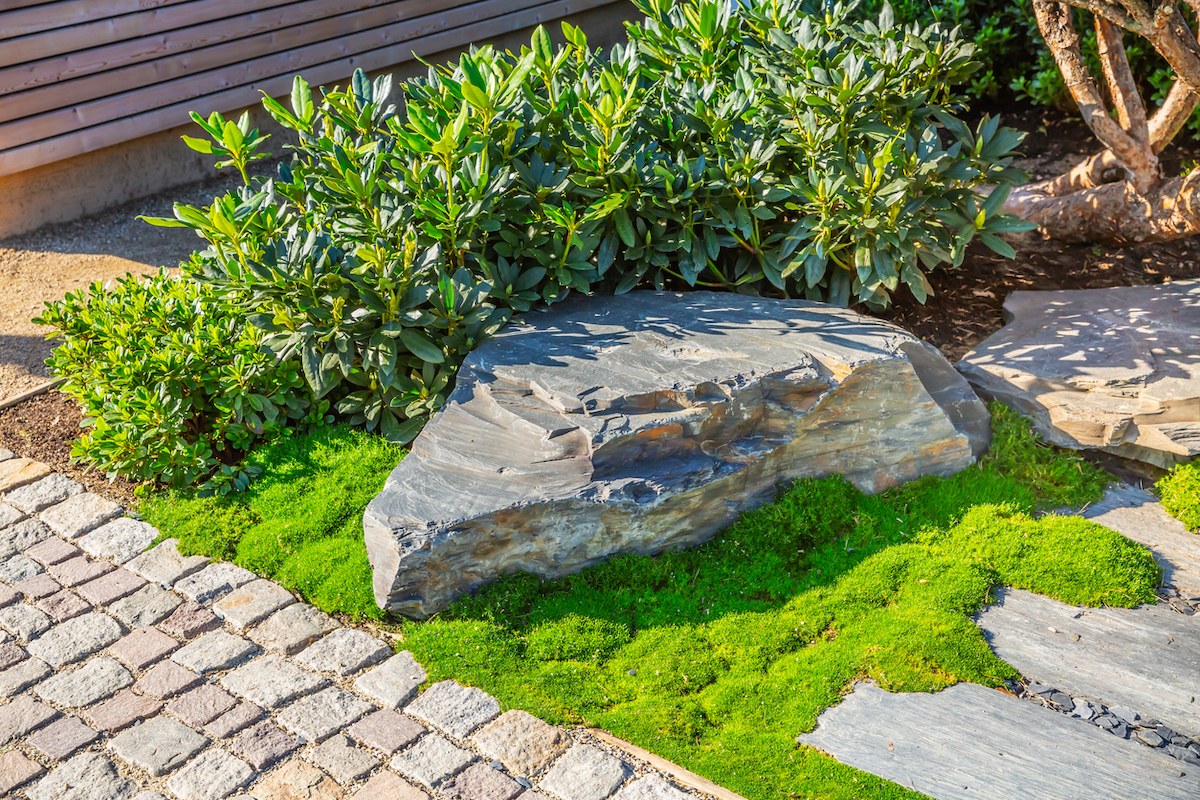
(80,75)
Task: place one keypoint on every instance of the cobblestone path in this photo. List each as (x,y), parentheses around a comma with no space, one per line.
(128,672)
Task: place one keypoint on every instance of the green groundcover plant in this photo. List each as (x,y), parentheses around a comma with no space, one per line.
(1180,493)
(300,523)
(717,657)
(772,147)
(173,385)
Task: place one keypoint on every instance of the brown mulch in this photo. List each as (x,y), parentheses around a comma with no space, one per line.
(43,428)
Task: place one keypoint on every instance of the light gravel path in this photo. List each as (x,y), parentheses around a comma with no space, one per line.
(131,672)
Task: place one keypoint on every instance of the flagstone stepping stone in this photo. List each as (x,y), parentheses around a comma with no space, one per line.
(1116,369)
(87,776)
(652,421)
(968,742)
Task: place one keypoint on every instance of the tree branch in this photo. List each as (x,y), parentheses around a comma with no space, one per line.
(1172,115)
(1127,99)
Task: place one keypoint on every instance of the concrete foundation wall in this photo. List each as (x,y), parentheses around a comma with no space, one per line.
(93,182)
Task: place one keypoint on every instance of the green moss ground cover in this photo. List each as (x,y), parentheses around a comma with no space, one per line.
(716,658)
(1180,493)
(300,523)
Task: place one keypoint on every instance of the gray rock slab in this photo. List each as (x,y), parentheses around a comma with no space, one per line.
(19,568)
(9,515)
(97,679)
(162,564)
(21,676)
(456,709)
(1115,369)
(213,776)
(80,514)
(214,651)
(1146,658)
(75,639)
(149,605)
(292,629)
(585,773)
(432,760)
(213,582)
(651,787)
(252,603)
(41,494)
(340,758)
(317,717)
(158,745)
(24,622)
(119,540)
(650,421)
(5,455)
(271,681)
(21,536)
(972,743)
(86,776)
(522,742)
(22,715)
(393,682)
(345,651)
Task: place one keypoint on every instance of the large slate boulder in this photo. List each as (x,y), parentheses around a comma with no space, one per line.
(1116,370)
(650,421)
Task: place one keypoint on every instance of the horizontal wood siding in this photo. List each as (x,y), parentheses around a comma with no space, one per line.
(80,75)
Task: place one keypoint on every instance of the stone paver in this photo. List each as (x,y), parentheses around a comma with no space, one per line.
(296,780)
(158,745)
(190,619)
(394,682)
(21,536)
(122,711)
(9,515)
(521,742)
(162,564)
(213,776)
(97,679)
(52,551)
(340,758)
(8,596)
(19,568)
(585,773)
(432,760)
(319,716)
(60,739)
(86,776)
(147,606)
(264,744)
(201,705)
(213,582)
(18,678)
(11,653)
(387,730)
(252,603)
(80,569)
(345,651)
(80,514)
(456,709)
(76,639)
(16,472)
(22,715)
(271,681)
(214,652)
(24,621)
(111,587)
(119,540)
(389,786)
(37,587)
(481,782)
(292,629)
(143,647)
(16,769)
(650,787)
(166,679)
(62,606)
(233,722)
(43,493)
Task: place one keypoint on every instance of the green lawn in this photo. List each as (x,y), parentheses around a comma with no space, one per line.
(300,523)
(716,658)
(1180,493)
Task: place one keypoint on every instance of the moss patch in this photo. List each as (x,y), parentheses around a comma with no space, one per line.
(717,657)
(300,523)
(1180,493)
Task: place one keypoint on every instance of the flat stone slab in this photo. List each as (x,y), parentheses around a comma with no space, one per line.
(213,582)
(119,540)
(968,742)
(252,603)
(213,776)
(292,629)
(76,639)
(43,493)
(16,472)
(158,745)
(320,715)
(650,421)
(345,651)
(585,773)
(1116,369)
(87,776)
(393,682)
(97,679)
(162,564)
(271,681)
(456,709)
(80,514)
(432,760)
(522,742)
(21,536)
(214,652)
(1147,659)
